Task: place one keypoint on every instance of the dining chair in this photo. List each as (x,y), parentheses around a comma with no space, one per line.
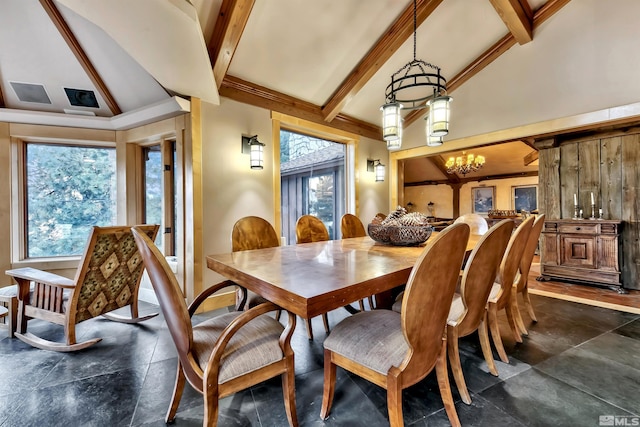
(396,350)
(521,285)
(108,278)
(311,229)
(477,223)
(351,226)
(252,232)
(468,310)
(225,354)
(500,295)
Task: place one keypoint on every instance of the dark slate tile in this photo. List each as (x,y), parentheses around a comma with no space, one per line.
(97,401)
(631,330)
(476,372)
(24,369)
(479,413)
(607,367)
(537,399)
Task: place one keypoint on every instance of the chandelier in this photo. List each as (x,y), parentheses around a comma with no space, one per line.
(464,164)
(415,86)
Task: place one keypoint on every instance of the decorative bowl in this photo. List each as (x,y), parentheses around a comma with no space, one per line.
(403,235)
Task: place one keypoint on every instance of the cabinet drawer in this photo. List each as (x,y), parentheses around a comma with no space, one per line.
(578,228)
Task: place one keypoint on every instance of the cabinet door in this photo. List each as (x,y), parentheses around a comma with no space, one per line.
(549,249)
(578,251)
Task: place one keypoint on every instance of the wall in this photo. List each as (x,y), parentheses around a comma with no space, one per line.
(232,190)
(442,195)
(608,167)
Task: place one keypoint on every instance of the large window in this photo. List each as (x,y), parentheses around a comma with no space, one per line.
(311,181)
(69,189)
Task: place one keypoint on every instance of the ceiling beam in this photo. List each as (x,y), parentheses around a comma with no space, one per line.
(491,54)
(385,47)
(259,96)
(517,17)
(531,157)
(71,40)
(439,163)
(232,19)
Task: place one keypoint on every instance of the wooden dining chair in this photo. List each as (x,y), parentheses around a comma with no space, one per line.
(500,295)
(477,223)
(225,354)
(252,232)
(521,285)
(468,310)
(311,229)
(108,278)
(351,226)
(396,350)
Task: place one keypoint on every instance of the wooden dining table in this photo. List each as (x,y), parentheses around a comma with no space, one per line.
(310,279)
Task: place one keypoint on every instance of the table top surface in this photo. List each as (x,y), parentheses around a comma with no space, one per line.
(313,278)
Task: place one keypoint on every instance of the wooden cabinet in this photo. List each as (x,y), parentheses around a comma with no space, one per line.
(585,251)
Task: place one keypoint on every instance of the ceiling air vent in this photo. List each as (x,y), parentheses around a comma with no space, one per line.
(27,92)
(81,98)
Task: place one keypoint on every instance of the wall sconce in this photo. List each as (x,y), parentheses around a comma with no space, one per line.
(377,167)
(255,149)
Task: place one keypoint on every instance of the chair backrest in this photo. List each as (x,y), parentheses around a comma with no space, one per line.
(529,251)
(252,232)
(479,274)
(310,229)
(109,273)
(428,296)
(477,223)
(170,298)
(351,226)
(511,260)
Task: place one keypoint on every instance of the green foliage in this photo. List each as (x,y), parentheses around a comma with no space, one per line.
(69,190)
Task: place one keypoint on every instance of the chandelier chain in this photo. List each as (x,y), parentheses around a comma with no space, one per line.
(415,27)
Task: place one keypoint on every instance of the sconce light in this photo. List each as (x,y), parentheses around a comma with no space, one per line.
(255,148)
(377,167)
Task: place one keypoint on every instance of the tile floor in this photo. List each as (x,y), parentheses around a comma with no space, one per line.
(577,364)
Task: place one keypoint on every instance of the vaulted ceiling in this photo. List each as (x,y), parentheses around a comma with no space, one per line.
(325,61)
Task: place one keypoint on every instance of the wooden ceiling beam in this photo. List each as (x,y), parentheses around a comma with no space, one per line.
(531,157)
(259,96)
(71,40)
(232,19)
(517,17)
(439,163)
(491,54)
(385,47)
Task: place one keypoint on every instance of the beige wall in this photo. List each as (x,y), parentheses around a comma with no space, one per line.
(442,195)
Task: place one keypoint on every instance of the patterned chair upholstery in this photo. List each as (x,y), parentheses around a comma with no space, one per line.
(108,278)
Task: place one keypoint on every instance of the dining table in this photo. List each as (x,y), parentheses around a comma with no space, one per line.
(310,279)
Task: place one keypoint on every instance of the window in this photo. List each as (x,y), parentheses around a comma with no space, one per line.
(159,194)
(311,181)
(68,190)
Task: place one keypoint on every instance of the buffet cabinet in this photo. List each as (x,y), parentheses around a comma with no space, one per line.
(586,251)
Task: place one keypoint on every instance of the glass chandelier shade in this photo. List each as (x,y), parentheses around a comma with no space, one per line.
(391,121)
(432,141)
(439,111)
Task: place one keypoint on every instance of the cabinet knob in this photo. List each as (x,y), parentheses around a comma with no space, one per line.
(577,228)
